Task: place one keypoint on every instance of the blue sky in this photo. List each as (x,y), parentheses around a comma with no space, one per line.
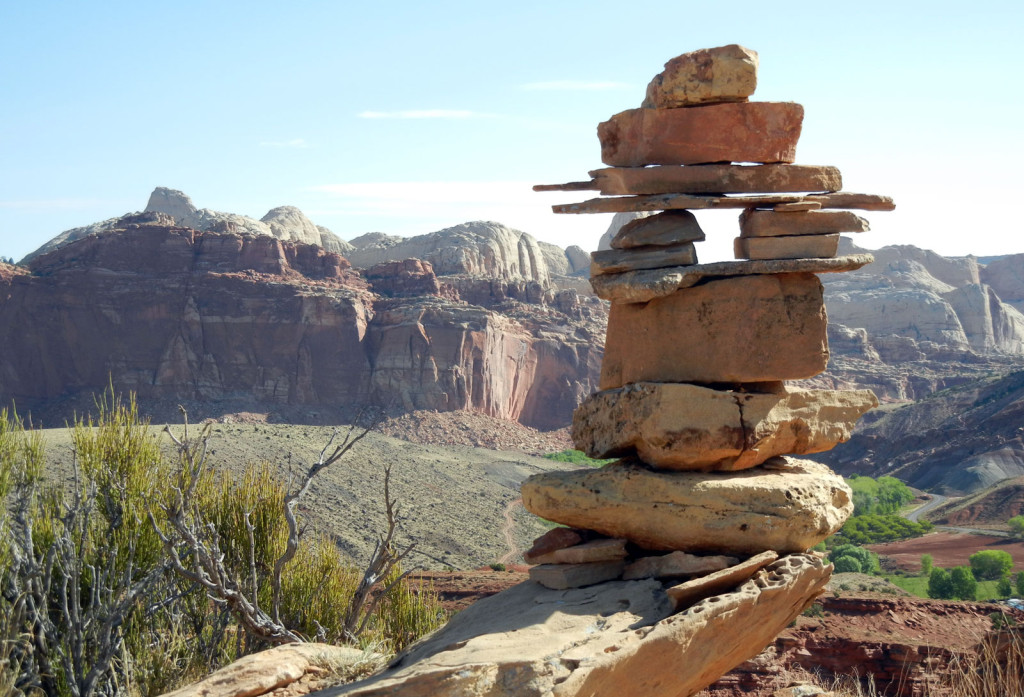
(407,117)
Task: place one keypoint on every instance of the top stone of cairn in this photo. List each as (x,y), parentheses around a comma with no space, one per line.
(710,75)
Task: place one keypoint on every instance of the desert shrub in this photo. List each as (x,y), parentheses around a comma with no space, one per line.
(1016,524)
(88,598)
(964,584)
(847,564)
(577,457)
(926,564)
(867,559)
(940,585)
(991,564)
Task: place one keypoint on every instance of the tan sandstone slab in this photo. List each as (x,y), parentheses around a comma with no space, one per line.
(792,247)
(680,426)
(755,223)
(608,640)
(562,576)
(298,667)
(675,564)
(685,594)
(737,329)
(799,206)
(669,202)
(552,540)
(763,132)
(786,504)
(643,286)
(595,550)
(716,179)
(710,75)
(664,229)
(638,258)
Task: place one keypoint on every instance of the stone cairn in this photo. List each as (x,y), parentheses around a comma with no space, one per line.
(690,553)
(692,383)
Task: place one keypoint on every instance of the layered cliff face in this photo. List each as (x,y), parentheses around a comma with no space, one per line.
(914,322)
(178,314)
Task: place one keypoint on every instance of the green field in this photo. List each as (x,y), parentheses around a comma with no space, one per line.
(918,585)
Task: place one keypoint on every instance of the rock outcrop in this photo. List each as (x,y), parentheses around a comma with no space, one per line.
(234,321)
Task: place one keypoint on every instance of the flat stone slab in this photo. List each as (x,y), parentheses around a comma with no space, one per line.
(562,576)
(738,329)
(756,223)
(686,594)
(643,286)
(671,202)
(638,258)
(763,132)
(791,247)
(710,75)
(553,540)
(595,550)
(664,229)
(787,505)
(679,426)
(676,564)
(607,640)
(716,179)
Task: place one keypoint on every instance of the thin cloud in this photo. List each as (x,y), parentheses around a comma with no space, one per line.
(425,114)
(293,143)
(574,86)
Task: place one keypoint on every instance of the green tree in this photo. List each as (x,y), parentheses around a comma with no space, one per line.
(926,564)
(965,586)
(1004,588)
(940,585)
(991,564)
(1020,584)
(1016,524)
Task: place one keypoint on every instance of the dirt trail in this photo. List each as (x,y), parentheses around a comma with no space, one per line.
(507,530)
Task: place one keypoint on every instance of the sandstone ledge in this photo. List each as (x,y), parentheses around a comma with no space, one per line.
(612,639)
(646,285)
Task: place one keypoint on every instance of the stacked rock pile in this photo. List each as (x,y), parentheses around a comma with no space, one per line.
(693,394)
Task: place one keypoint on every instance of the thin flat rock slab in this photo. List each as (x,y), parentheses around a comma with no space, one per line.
(295,668)
(789,505)
(734,330)
(671,202)
(792,247)
(585,553)
(638,258)
(551,541)
(607,640)
(676,564)
(643,286)
(799,206)
(758,223)
(710,75)
(686,594)
(762,132)
(563,576)
(664,229)
(678,426)
(715,179)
